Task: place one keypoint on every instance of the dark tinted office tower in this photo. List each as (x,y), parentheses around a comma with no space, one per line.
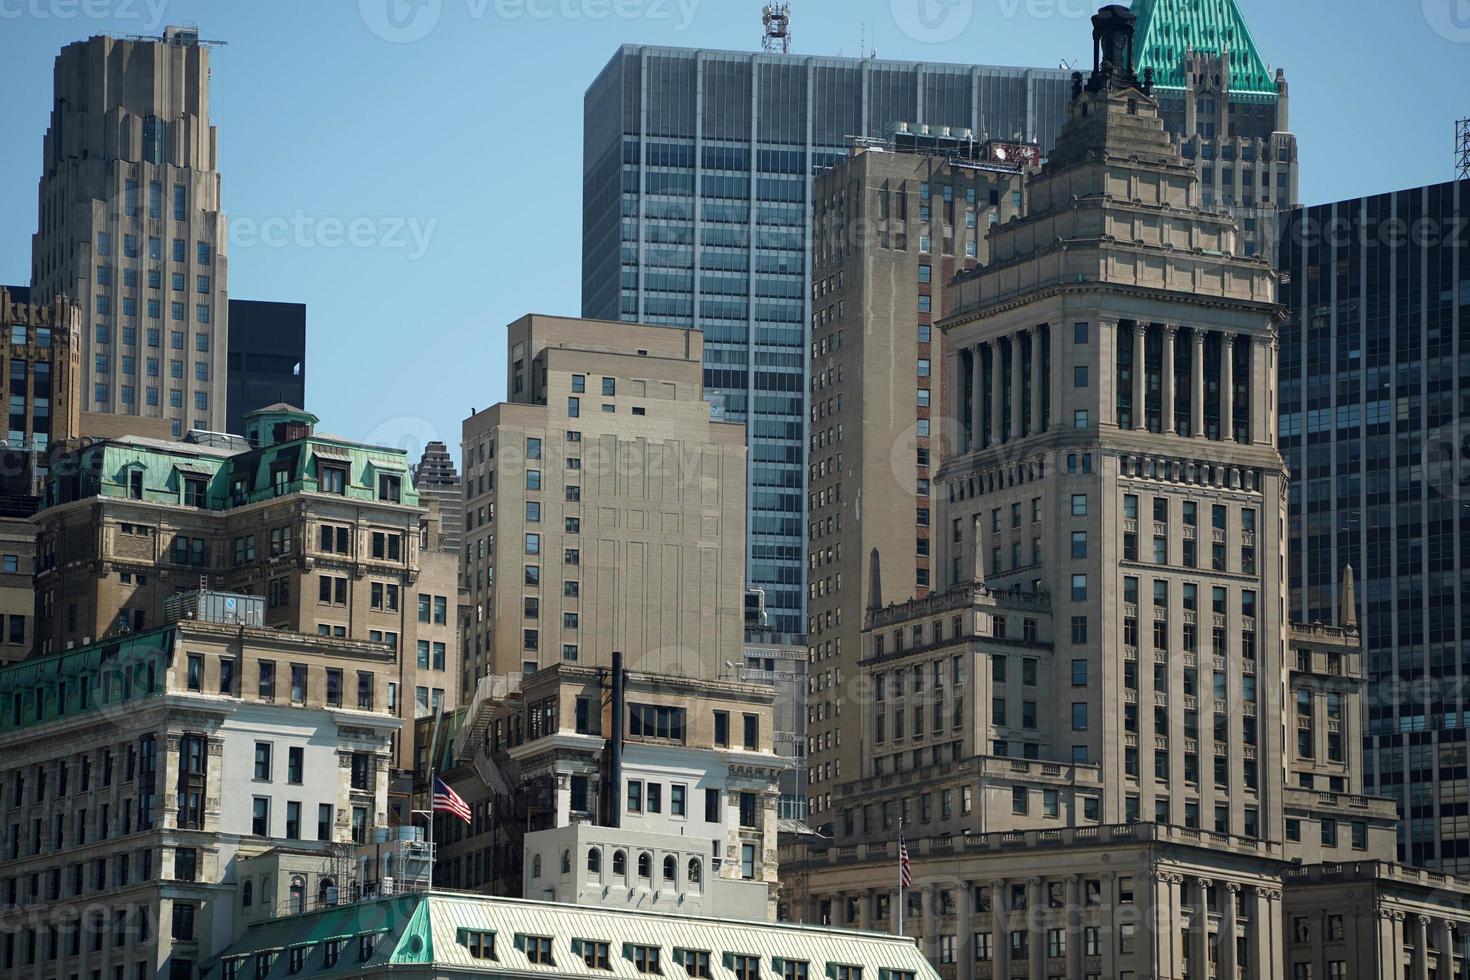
(1375,392)
(267,362)
(1227,109)
(697,174)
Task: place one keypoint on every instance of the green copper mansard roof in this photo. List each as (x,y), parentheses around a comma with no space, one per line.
(1169,29)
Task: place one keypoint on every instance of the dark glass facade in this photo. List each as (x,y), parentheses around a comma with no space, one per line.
(697,176)
(267,360)
(1375,425)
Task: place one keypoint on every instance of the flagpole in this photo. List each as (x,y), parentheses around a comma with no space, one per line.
(902,894)
(433,748)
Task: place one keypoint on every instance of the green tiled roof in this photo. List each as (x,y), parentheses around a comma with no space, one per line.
(1168,29)
(105,676)
(430,930)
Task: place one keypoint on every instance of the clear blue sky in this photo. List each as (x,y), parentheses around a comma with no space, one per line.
(471,134)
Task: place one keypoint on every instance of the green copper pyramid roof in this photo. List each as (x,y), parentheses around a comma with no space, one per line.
(1168,29)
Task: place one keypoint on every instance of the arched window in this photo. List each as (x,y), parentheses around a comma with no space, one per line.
(594,861)
(694,872)
(671,868)
(326,892)
(298,895)
(620,863)
(566,862)
(536,866)
(247,893)
(645,865)
(268,895)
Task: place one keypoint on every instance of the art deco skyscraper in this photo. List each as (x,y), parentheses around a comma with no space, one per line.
(129,226)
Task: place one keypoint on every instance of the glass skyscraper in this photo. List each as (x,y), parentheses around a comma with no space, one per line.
(1375,395)
(697,176)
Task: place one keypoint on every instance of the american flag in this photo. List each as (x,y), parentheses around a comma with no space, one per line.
(905,869)
(447,800)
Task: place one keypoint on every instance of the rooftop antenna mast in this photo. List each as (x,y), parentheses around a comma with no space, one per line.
(1462,149)
(776,17)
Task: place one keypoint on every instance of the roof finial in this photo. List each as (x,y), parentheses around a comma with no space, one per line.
(1347,603)
(875,585)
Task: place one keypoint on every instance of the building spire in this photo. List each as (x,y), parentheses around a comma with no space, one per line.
(875,585)
(1347,603)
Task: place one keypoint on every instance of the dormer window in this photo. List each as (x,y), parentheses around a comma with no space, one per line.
(390,488)
(196,491)
(333,479)
(135,484)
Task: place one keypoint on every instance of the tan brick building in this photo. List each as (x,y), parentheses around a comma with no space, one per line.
(895,223)
(605,508)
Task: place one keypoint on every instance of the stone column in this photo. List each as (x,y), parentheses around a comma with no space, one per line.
(1036,409)
(1000,952)
(964,934)
(997,394)
(1054,394)
(1444,944)
(1196,382)
(1076,920)
(1108,934)
(977,397)
(865,910)
(929,906)
(1267,944)
(1018,389)
(1421,948)
(1036,926)
(1199,935)
(1168,956)
(1166,381)
(1140,362)
(1227,387)
(1228,969)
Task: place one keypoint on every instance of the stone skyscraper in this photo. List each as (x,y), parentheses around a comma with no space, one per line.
(1109,752)
(129,226)
(696,212)
(893,229)
(603,508)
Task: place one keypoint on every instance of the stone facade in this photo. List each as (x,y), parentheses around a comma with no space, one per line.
(139,773)
(698,777)
(130,226)
(893,228)
(328,531)
(604,507)
(1105,687)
